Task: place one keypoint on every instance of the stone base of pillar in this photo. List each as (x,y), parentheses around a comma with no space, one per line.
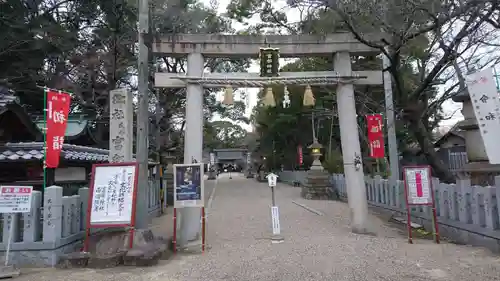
(316,185)
(480,173)
(212,175)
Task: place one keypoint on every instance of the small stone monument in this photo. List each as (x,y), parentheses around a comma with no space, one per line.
(478,169)
(317,179)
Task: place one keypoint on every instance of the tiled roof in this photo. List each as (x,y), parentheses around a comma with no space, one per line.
(34,151)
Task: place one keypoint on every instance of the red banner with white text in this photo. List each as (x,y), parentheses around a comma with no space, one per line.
(56,118)
(375,135)
(300,155)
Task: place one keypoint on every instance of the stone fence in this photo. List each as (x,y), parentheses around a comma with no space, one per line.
(466,214)
(55,225)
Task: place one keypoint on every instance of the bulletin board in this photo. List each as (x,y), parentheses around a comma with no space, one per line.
(112,197)
(112,194)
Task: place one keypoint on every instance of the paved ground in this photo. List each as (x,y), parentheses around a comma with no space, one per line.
(315,248)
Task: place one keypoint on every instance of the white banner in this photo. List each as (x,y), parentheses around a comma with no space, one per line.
(486,104)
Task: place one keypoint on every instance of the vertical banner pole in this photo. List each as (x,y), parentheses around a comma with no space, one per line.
(203,229)
(44,132)
(174,236)
(9,242)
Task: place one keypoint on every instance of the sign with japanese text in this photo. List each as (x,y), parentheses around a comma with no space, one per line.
(112,194)
(375,135)
(120,129)
(486,104)
(300,155)
(57,116)
(188,185)
(418,185)
(15,199)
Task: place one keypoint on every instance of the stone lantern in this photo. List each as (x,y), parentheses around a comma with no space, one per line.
(317,179)
(315,148)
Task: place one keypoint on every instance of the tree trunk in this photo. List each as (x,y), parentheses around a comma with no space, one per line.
(417,127)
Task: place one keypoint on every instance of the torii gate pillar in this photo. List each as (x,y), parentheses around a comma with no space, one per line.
(351,152)
(190,218)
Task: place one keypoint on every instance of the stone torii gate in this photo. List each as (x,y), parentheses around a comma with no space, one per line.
(199,46)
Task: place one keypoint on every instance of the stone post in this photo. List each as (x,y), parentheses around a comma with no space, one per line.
(120,125)
(351,152)
(52,214)
(190,218)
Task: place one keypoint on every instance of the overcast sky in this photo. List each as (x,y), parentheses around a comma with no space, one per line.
(450,108)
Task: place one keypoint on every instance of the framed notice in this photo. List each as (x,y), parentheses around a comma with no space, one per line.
(188,185)
(419,192)
(15,199)
(418,185)
(112,195)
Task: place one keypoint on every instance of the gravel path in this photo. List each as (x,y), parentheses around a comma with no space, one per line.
(315,247)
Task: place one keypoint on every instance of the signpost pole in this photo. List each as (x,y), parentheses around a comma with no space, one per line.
(11,232)
(434,216)
(275,217)
(174,236)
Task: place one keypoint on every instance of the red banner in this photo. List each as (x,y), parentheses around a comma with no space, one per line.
(56,118)
(375,135)
(300,155)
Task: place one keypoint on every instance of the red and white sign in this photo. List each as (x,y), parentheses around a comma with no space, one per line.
(57,117)
(418,185)
(300,155)
(375,135)
(15,199)
(418,191)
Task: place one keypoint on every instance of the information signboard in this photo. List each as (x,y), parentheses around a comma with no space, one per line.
(15,199)
(112,197)
(419,192)
(112,194)
(188,185)
(418,182)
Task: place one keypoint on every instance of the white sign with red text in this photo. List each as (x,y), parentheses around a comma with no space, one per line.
(15,199)
(418,184)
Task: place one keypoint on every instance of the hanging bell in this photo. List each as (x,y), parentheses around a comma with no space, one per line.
(269,98)
(308,97)
(228,96)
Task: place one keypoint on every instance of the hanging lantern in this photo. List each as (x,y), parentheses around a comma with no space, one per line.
(308,97)
(269,98)
(228,96)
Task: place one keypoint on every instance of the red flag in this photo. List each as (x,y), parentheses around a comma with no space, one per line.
(300,155)
(57,117)
(375,135)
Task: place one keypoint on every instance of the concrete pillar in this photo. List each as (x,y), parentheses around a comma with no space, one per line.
(193,145)
(351,152)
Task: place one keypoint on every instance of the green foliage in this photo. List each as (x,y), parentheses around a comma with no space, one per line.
(223,134)
(88,47)
(333,162)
